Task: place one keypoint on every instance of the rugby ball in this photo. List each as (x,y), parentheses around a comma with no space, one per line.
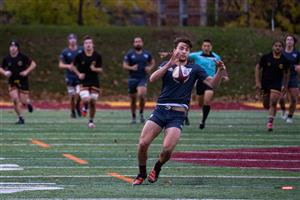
(180,74)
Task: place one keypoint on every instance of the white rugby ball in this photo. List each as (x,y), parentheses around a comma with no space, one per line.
(181,74)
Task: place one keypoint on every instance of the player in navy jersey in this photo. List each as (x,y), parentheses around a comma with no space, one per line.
(271,78)
(171,108)
(87,65)
(16,67)
(71,79)
(206,59)
(139,63)
(293,89)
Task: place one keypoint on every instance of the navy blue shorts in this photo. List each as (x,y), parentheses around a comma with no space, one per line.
(72,81)
(133,84)
(167,118)
(293,82)
(201,88)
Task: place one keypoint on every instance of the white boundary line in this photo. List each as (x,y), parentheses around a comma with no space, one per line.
(176,159)
(134,139)
(136,167)
(118,199)
(189,152)
(164,176)
(131,144)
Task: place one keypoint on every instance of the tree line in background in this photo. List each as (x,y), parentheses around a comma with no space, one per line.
(283,14)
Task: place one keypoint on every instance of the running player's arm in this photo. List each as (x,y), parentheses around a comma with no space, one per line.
(297,66)
(4,72)
(126,65)
(97,67)
(31,66)
(215,81)
(151,64)
(74,69)
(62,64)
(258,68)
(286,75)
(161,71)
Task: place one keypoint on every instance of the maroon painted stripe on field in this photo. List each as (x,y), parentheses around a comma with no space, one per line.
(284,158)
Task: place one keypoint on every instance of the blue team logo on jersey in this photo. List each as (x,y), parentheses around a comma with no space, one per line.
(133,57)
(69,54)
(146,56)
(294,55)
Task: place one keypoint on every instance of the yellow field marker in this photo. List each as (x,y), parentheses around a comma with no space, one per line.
(121,177)
(40,143)
(75,159)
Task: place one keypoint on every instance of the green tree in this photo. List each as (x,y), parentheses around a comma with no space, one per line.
(67,12)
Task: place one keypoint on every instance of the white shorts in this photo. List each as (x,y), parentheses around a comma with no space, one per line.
(86,94)
(72,90)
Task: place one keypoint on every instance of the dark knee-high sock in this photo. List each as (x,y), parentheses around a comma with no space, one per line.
(205,111)
(143,170)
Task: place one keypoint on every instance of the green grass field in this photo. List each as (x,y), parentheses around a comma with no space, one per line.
(111,147)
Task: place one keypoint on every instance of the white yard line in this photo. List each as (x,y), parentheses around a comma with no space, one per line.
(178,159)
(158,145)
(10,167)
(215,152)
(134,139)
(136,167)
(164,176)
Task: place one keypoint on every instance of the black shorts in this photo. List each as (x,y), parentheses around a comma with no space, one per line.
(267,87)
(22,85)
(201,88)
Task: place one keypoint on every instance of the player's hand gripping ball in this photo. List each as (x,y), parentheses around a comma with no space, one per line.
(181,74)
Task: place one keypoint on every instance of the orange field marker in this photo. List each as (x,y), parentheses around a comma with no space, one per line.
(40,143)
(121,177)
(75,159)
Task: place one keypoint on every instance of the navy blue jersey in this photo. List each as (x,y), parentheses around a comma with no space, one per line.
(294,58)
(142,60)
(179,94)
(67,57)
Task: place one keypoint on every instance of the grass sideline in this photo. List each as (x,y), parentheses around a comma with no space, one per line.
(110,149)
(238,47)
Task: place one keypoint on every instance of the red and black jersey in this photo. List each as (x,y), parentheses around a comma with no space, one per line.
(16,65)
(84,63)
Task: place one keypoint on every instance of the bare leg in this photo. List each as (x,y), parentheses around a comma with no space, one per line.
(133,106)
(142,91)
(14,95)
(294,92)
(274,98)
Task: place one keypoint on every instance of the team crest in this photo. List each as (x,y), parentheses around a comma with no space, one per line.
(20,63)
(280,66)
(269,64)
(294,55)
(94,63)
(82,62)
